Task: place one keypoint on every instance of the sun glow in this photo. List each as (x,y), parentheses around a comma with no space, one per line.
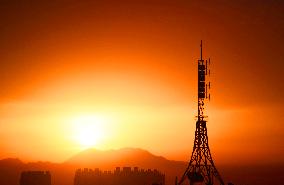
(88,130)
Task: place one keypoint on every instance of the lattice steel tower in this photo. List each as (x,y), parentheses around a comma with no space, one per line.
(201,168)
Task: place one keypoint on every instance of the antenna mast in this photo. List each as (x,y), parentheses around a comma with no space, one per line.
(203,87)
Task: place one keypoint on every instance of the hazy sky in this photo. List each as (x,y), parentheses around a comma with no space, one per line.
(126,71)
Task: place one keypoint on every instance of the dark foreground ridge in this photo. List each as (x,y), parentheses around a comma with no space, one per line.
(63,173)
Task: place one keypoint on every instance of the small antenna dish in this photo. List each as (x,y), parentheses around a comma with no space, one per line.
(206,67)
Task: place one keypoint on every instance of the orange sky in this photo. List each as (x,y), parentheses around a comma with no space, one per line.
(132,65)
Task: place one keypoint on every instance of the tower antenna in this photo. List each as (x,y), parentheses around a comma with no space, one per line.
(201,167)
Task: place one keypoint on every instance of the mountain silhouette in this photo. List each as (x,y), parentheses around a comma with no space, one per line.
(121,157)
(10,170)
(63,173)
(131,157)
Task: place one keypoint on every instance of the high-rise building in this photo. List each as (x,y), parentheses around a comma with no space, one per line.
(35,178)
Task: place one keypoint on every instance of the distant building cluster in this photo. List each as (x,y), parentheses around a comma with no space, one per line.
(120,176)
(35,178)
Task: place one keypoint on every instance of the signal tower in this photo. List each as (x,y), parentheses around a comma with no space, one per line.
(201,168)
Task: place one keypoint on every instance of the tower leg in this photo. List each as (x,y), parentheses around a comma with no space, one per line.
(201,168)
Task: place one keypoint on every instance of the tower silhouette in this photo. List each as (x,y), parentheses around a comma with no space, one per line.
(201,168)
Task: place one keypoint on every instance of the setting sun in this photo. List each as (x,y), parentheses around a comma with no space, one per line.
(88,130)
